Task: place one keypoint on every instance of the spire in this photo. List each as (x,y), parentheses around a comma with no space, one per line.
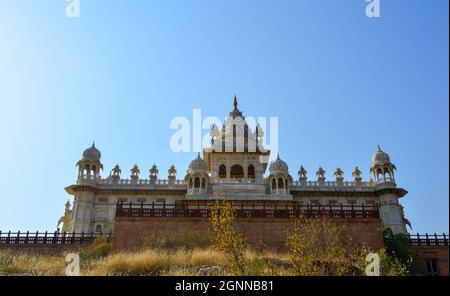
(379,149)
(236,112)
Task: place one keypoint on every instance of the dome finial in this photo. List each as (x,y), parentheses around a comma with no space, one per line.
(93,144)
(379,148)
(235,102)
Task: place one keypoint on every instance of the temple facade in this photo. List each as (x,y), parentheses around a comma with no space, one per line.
(235,167)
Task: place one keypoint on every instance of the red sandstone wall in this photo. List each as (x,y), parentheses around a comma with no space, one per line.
(131,233)
(437,252)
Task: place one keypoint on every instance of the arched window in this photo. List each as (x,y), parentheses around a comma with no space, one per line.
(237,171)
(379,172)
(280,183)
(197,182)
(99,228)
(387,176)
(222,171)
(251,172)
(190,182)
(274,184)
(203,183)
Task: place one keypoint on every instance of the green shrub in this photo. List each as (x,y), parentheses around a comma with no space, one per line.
(100,248)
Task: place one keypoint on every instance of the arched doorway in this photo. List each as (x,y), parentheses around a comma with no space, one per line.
(237,172)
(222,171)
(251,172)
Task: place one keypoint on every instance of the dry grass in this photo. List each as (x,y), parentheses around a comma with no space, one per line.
(157,262)
(146,262)
(32,264)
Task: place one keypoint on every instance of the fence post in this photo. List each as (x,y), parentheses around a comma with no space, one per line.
(73,237)
(445,240)
(428,240)
(436,241)
(9,235)
(26,238)
(17,237)
(82,237)
(419,241)
(363,211)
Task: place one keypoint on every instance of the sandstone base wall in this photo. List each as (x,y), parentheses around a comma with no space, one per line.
(134,232)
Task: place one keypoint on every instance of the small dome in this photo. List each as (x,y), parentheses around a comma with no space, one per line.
(92,153)
(380,157)
(278,167)
(198,164)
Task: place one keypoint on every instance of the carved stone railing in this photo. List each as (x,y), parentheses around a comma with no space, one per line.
(128,182)
(237,181)
(333,183)
(110,181)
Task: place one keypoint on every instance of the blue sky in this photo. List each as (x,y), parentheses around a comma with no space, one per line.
(340,83)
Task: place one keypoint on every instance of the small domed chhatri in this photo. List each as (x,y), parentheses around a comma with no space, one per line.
(89,166)
(279,179)
(382,168)
(197,177)
(153,170)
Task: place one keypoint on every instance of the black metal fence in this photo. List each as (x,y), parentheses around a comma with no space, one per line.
(52,238)
(428,239)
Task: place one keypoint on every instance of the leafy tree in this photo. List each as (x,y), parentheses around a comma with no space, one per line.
(225,238)
(318,247)
(398,247)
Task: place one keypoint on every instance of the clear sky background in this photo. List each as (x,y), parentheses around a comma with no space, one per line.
(340,83)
